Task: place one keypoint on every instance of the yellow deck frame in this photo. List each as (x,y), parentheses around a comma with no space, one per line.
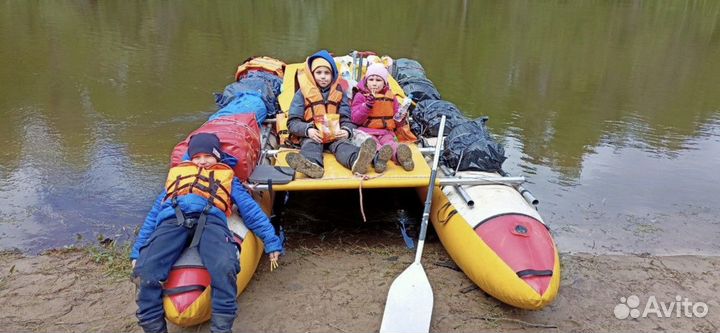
(338,177)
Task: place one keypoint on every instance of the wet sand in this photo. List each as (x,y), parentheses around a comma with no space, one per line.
(339,284)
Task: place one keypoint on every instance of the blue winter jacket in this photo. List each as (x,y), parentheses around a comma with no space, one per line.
(251,213)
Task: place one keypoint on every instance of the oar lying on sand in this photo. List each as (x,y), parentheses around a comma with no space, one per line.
(410,299)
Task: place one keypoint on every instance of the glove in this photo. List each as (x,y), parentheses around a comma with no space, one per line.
(370,101)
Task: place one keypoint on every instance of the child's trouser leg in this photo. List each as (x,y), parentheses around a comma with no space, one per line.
(312,151)
(354,158)
(309,161)
(219,253)
(345,152)
(377,140)
(153,266)
(388,139)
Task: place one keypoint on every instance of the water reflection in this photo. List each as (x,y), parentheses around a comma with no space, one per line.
(609,104)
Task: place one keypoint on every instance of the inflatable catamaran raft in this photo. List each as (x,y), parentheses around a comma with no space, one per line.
(486,220)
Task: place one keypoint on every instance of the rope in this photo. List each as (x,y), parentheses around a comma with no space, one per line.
(364,178)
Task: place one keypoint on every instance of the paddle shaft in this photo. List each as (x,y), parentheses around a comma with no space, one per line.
(431,188)
(408,308)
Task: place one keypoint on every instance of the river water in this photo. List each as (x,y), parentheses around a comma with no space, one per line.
(610,109)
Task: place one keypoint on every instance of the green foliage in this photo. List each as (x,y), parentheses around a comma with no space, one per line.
(114,257)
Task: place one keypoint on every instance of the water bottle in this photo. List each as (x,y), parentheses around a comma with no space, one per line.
(403,110)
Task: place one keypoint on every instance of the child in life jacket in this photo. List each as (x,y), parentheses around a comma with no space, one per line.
(373,109)
(202,188)
(319,119)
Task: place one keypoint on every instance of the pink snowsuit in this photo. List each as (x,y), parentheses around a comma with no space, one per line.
(360,113)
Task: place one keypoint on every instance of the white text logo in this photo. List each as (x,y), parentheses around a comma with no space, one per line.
(681,307)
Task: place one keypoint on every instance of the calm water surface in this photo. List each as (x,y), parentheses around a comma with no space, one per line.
(610,109)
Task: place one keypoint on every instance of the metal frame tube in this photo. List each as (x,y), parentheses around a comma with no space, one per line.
(526,194)
(480,181)
(460,191)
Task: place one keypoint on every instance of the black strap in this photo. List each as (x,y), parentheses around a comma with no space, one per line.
(311,105)
(178,213)
(209,190)
(449,216)
(183,289)
(220,186)
(177,180)
(444,208)
(384,120)
(533,272)
(197,178)
(201,226)
(176,183)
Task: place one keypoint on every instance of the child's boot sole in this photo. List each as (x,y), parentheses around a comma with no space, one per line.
(364,157)
(383,156)
(304,166)
(404,157)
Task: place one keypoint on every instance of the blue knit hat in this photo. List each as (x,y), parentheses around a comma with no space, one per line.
(207,143)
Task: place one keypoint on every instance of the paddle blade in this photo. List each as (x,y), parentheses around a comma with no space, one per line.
(409,303)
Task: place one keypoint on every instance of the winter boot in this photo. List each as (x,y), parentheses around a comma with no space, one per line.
(382,157)
(303,165)
(154,326)
(404,157)
(221,323)
(364,156)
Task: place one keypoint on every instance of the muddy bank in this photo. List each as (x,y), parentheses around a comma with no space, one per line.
(336,286)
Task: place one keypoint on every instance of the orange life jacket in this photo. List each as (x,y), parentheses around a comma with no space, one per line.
(381,115)
(315,104)
(281,128)
(316,107)
(265,64)
(213,183)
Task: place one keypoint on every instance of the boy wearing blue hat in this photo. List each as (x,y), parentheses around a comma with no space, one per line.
(199,196)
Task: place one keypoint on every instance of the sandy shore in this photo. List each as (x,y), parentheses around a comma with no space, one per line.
(339,286)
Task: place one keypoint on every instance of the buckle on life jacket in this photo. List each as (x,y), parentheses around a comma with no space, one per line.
(188,222)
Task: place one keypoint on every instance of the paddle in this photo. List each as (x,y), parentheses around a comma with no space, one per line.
(410,299)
